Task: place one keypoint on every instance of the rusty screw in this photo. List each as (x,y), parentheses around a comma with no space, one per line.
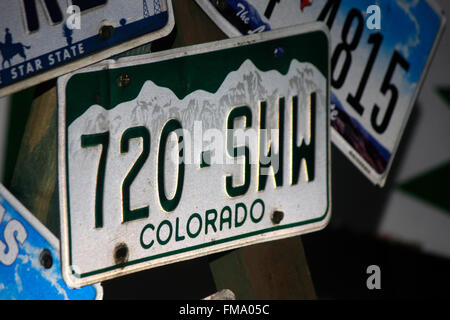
(277,216)
(124,80)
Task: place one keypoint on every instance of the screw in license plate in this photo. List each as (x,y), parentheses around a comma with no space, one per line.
(123,80)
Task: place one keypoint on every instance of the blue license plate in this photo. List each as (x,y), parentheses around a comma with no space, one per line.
(30,266)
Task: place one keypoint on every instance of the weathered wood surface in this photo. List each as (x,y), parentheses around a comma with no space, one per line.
(34,180)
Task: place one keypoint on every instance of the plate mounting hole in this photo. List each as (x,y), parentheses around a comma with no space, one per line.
(106,32)
(46,259)
(121,253)
(277,216)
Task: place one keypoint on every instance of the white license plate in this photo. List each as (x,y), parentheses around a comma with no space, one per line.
(381,51)
(166,158)
(40,40)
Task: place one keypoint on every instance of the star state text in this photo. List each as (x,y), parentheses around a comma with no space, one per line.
(54,58)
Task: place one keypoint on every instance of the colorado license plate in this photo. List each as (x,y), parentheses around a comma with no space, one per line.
(193,151)
(380,53)
(40,40)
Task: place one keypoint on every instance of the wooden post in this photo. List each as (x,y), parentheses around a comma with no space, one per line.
(35,175)
(274,270)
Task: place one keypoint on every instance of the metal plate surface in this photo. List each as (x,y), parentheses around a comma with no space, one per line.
(30,266)
(376,70)
(40,40)
(192,151)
